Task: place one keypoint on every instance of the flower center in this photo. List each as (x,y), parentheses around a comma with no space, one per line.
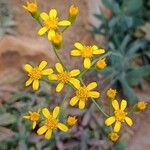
(87,52)
(32,7)
(120,115)
(51,122)
(82,93)
(64,76)
(51,23)
(35,74)
(34,116)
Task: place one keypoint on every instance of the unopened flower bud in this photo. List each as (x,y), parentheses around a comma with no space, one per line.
(57,40)
(73,12)
(101,63)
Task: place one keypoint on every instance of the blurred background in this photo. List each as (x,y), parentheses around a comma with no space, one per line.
(119,26)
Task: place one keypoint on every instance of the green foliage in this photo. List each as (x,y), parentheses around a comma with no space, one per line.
(126,48)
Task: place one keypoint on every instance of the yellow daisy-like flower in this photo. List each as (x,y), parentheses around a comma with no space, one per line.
(33,117)
(71,120)
(31,7)
(111,93)
(51,23)
(64,77)
(101,63)
(87,52)
(51,123)
(113,136)
(36,73)
(83,93)
(120,116)
(141,105)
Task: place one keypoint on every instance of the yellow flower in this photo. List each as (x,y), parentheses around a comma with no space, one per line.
(64,77)
(33,117)
(83,93)
(57,40)
(36,73)
(120,116)
(51,123)
(87,52)
(73,11)
(71,120)
(141,105)
(101,63)
(111,93)
(113,136)
(51,23)
(31,7)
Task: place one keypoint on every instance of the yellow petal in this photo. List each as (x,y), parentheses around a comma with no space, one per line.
(62,127)
(94,47)
(75,53)
(29,81)
(42,130)
(51,34)
(34,125)
(75,82)
(91,86)
(46,112)
(44,16)
(117,126)
(87,63)
(52,77)
(115,104)
(64,23)
(26,117)
(98,51)
(109,121)
(59,67)
(59,87)
(94,94)
(47,72)
(78,45)
(42,31)
(129,121)
(42,65)
(75,72)
(74,100)
(56,112)
(53,13)
(35,84)
(48,134)
(28,68)
(123,104)
(81,104)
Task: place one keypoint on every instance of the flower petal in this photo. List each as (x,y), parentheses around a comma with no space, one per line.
(46,112)
(75,82)
(52,77)
(115,104)
(42,130)
(81,104)
(26,117)
(42,31)
(64,23)
(94,94)
(59,87)
(34,125)
(42,65)
(35,84)
(75,72)
(28,68)
(53,13)
(78,45)
(123,104)
(91,86)
(109,121)
(75,53)
(56,112)
(51,34)
(47,71)
(48,134)
(129,121)
(117,126)
(87,63)
(94,47)
(44,16)
(59,67)
(74,100)
(62,127)
(98,51)
(29,81)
